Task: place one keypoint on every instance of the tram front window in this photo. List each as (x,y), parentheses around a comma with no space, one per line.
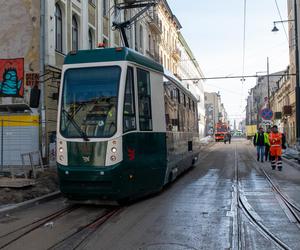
(89,102)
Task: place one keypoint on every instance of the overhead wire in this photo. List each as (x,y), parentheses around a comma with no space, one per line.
(244,36)
(244,50)
(281,20)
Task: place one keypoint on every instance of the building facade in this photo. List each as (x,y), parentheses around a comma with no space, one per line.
(258,98)
(289,114)
(212,110)
(36,43)
(187,70)
(283,106)
(19,74)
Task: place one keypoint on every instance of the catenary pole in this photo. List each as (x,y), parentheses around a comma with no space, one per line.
(297,88)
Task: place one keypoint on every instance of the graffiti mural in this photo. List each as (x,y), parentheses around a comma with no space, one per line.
(12,77)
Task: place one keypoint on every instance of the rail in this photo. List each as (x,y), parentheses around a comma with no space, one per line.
(252,216)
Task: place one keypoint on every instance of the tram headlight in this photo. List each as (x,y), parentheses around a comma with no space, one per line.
(113,158)
(61,150)
(114,150)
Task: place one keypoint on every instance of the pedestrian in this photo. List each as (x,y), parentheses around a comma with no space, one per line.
(225,138)
(229,137)
(267,148)
(260,140)
(277,143)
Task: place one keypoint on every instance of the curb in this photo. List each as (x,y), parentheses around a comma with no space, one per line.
(291,163)
(28,203)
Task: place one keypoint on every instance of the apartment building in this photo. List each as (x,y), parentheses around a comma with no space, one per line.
(36,36)
(189,71)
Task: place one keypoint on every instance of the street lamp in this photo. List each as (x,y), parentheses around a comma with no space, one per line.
(297,88)
(275,29)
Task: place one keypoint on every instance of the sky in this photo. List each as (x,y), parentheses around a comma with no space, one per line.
(214,30)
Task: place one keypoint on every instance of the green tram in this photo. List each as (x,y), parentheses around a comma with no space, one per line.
(125,129)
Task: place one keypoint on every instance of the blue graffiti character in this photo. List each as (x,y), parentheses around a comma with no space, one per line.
(10,85)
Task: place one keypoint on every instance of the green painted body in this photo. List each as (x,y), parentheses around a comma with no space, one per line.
(111,54)
(146,173)
(127,179)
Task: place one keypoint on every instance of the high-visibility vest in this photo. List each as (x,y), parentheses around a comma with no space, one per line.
(266,138)
(275,139)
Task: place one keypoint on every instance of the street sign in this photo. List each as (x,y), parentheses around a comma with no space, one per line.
(266,114)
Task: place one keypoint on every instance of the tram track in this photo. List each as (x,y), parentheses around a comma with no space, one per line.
(79,237)
(71,241)
(293,208)
(32,226)
(251,215)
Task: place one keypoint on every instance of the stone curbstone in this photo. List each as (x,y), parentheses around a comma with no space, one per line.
(291,163)
(28,203)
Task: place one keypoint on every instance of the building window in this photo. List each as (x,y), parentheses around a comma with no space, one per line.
(141,38)
(149,44)
(178,96)
(105,8)
(74,34)
(58,28)
(93,2)
(144,96)
(105,42)
(91,40)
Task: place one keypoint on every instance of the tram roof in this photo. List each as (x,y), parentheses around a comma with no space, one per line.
(111,54)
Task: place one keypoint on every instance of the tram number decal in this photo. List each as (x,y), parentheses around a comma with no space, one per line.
(131,154)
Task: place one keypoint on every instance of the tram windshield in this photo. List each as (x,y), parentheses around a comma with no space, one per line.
(89,102)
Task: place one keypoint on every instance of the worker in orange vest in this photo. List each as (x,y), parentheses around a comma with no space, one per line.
(277,143)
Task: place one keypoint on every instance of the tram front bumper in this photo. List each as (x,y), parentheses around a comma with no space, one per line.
(81,183)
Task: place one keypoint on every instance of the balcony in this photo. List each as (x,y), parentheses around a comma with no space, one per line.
(154,24)
(287,110)
(176,54)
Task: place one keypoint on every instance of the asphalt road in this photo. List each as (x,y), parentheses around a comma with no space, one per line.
(198,211)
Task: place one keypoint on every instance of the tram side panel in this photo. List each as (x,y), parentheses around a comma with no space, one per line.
(181,126)
(145,150)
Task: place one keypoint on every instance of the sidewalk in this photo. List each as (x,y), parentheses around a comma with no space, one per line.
(289,156)
(292,157)
(46,183)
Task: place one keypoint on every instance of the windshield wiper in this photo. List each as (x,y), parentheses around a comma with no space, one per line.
(76,126)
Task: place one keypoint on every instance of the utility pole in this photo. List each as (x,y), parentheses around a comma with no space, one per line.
(297,88)
(268,80)
(42,82)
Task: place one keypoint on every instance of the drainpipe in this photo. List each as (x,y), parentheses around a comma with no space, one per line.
(42,84)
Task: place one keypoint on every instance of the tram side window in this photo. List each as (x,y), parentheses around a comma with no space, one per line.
(144,95)
(129,122)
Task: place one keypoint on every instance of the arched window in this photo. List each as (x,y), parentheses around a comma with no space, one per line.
(91,39)
(149,44)
(74,34)
(141,38)
(58,28)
